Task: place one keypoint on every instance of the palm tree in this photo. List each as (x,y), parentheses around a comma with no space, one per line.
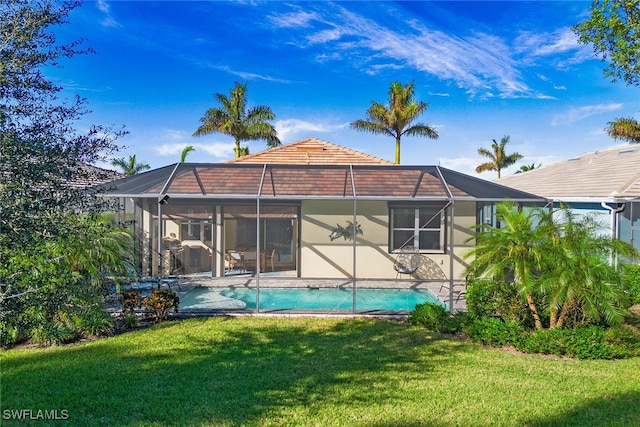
(187,150)
(527,168)
(232,118)
(511,250)
(499,159)
(130,167)
(577,276)
(627,129)
(396,119)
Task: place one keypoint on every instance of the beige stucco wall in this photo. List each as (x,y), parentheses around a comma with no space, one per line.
(321,257)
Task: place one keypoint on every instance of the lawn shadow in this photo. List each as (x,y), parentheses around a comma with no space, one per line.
(616,410)
(199,372)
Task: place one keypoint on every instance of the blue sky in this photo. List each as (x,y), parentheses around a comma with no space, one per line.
(487,69)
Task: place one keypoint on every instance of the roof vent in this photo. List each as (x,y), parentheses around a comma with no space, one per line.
(628,150)
(573,159)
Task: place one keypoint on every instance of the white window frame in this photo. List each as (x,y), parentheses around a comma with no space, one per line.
(418,228)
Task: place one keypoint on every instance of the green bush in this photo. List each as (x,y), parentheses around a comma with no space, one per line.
(495,332)
(130,320)
(431,316)
(490,298)
(624,339)
(9,335)
(95,321)
(631,282)
(593,342)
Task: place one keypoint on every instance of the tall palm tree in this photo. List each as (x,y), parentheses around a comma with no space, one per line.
(396,119)
(234,119)
(627,129)
(498,158)
(185,152)
(131,166)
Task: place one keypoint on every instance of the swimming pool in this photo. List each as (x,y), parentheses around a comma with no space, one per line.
(325,299)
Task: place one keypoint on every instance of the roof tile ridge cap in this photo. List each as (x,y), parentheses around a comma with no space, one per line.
(629,183)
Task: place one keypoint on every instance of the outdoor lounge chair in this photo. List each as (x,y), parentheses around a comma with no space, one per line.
(407,261)
(147,283)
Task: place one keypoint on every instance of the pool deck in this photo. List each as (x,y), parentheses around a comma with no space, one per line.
(279,280)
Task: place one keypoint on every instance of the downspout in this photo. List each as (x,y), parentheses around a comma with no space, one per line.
(613,224)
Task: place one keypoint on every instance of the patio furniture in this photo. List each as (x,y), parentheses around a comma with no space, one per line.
(146,283)
(233,258)
(407,261)
(270,258)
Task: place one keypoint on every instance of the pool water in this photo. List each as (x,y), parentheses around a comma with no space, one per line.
(335,299)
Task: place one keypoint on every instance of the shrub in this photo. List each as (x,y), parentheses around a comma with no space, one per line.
(430,315)
(593,342)
(130,320)
(495,332)
(160,303)
(491,298)
(631,282)
(623,339)
(95,321)
(130,300)
(9,335)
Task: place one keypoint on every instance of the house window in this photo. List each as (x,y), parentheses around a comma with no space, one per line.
(421,227)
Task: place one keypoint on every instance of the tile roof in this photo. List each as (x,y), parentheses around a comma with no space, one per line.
(311,151)
(293,182)
(586,177)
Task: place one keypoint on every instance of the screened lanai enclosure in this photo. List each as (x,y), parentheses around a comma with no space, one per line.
(266,236)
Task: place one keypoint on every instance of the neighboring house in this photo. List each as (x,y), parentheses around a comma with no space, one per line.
(299,207)
(604,183)
(89,176)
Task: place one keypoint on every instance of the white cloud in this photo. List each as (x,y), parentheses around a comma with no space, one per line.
(245,75)
(292,20)
(575,114)
(480,63)
(561,46)
(109,20)
(291,129)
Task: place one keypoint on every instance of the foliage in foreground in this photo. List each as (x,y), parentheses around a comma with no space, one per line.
(313,371)
(557,264)
(52,258)
(590,342)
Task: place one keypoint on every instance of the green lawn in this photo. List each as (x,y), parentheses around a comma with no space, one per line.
(311,371)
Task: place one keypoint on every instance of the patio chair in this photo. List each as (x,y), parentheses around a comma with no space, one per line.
(147,283)
(407,261)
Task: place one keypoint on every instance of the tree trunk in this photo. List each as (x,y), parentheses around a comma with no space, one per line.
(397,150)
(563,315)
(534,311)
(553,317)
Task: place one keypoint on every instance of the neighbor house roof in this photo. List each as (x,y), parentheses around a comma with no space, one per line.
(589,177)
(311,151)
(297,182)
(89,176)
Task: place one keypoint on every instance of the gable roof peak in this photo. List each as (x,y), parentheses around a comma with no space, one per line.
(311,151)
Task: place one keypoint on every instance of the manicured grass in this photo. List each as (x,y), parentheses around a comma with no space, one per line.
(310,371)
